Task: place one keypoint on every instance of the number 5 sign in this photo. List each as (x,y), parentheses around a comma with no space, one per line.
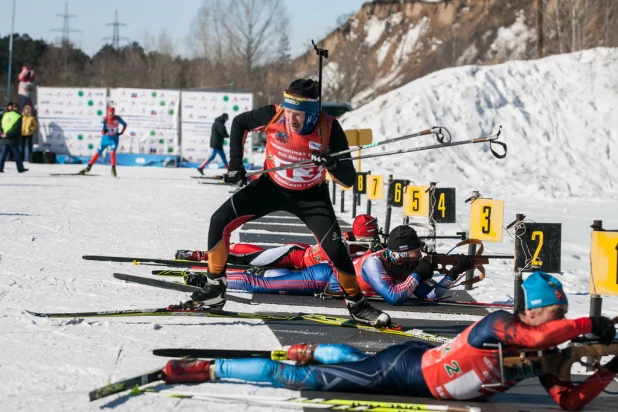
(604,263)
(416,201)
(375,187)
(486,219)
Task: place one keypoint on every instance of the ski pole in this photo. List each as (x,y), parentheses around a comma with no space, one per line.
(492,139)
(437,130)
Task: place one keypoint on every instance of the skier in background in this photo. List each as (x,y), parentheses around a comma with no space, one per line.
(217,135)
(111,124)
(458,369)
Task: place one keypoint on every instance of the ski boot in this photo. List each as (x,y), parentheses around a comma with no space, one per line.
(213,290)
(197,305)
(114,171)
(302,353)
(362,311)
(193,255)
(188,371)
(84,171)
(201,170)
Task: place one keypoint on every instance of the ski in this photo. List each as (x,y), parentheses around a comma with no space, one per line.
(208,177)
(428,302)
(126,384)
(277,354)
(218,183)
(177,310)
(181,287)
(233,268)
(141,260)
(317,403)
(70,174)
(172,310)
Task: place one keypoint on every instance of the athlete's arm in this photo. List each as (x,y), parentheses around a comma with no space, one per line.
(103,128)
(123,123)
(242,125)
(344,173)
(393,293)
(574,397)
(503,327)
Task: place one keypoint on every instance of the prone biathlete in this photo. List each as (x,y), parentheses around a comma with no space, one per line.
(391,274)
(456,370)
(111,133)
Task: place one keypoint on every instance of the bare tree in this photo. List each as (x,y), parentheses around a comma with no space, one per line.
(239,34)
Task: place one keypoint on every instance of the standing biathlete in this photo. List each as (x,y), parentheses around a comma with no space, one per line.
(295,131)
(111,125)
(455,370)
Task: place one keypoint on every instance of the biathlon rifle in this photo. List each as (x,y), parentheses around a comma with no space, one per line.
(478,260)
(535,362)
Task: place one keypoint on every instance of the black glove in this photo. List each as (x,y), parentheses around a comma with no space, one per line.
(424,270)
(612,365)
(323,159)
(464,263)
(604,328)
(234,177)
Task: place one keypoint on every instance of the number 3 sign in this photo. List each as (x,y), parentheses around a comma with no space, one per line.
(487,219)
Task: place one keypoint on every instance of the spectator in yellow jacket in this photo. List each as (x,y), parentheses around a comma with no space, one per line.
(28,126)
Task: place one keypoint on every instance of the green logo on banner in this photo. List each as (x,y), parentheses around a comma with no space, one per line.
(154,94)
(162,102)
(80,93)
(90,102)
(170,150)
(171,112)
(90,146)
(152,132)
(99,112)
(226,98)
(235,108)
(161,141)
(80,137)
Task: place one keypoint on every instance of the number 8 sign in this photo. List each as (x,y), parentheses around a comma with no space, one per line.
(487,219)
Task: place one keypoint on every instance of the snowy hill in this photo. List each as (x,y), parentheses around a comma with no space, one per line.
(559,118)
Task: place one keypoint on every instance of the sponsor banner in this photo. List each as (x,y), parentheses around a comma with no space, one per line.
(70,119)
(152,118)
(199,111)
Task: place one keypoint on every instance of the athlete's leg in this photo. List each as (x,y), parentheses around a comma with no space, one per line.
(255,200)
(280,281)
(213,153)
(396,370)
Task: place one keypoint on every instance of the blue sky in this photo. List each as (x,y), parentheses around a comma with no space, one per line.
(308,19)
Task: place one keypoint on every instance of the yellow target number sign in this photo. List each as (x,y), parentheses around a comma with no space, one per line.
(416,201)
(487,219)
(604,263)
(375,187)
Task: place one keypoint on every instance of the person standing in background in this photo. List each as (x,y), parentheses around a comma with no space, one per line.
(28,126)
(218,134)
(9,139)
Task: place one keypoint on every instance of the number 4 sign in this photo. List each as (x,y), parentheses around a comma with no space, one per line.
(604,263)
(487,219)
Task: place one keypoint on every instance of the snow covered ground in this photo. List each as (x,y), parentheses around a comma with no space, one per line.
(559,117)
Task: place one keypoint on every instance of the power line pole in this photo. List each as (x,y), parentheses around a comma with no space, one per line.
(8,82)
(116,36)
(539,29)
(66,29)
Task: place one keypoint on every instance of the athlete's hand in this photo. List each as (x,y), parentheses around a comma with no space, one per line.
(236,177)
(464,263)
(323,159)
(424,270)
(604,328)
